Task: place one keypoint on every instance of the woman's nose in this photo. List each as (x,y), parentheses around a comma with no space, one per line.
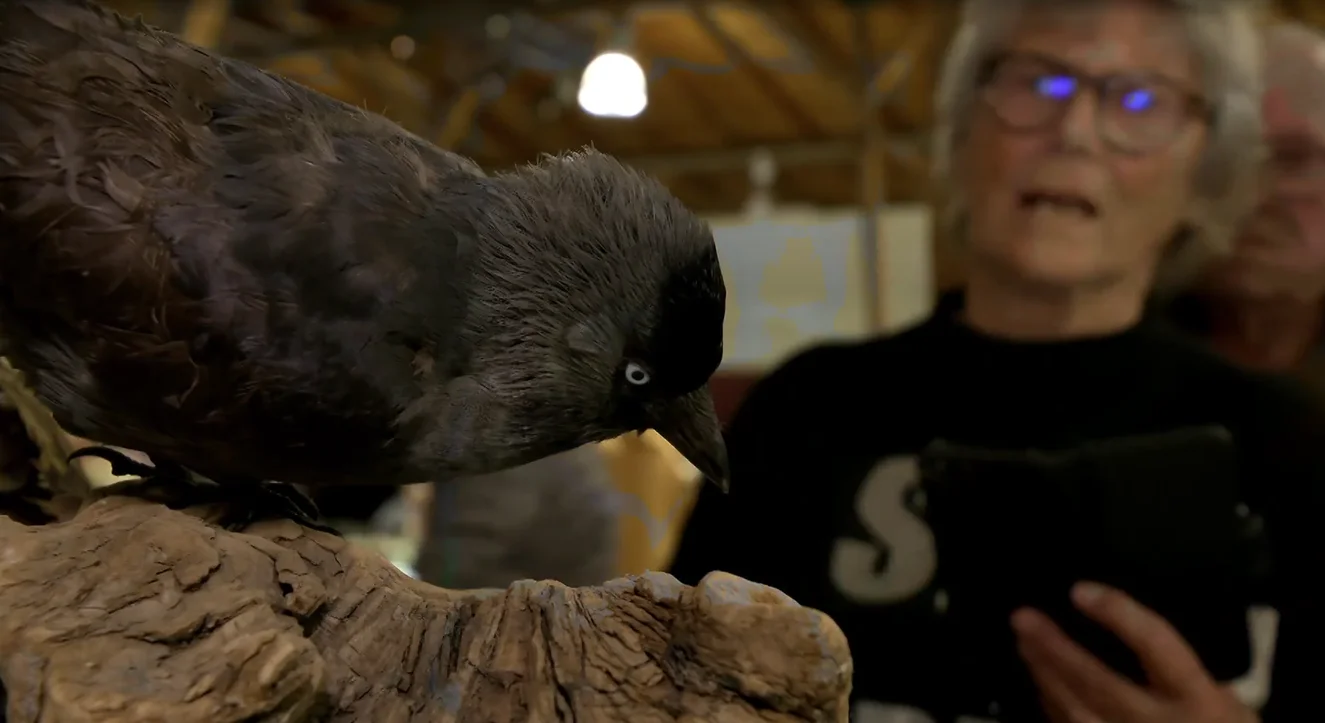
(1078,128)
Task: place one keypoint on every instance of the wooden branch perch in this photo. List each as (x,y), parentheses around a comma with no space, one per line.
(134,612)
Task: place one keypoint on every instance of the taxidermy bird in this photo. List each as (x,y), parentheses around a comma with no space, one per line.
(249,280)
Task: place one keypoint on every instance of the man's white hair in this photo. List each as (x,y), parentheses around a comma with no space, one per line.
(1225,38)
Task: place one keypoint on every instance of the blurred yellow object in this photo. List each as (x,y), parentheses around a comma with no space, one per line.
(418,510)
(658,487)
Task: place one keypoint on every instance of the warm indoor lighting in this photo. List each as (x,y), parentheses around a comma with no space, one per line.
(613,86)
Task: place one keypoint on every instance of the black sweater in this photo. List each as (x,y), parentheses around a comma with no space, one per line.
(824,477)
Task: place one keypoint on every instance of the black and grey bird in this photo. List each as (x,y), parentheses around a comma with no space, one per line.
(248,279)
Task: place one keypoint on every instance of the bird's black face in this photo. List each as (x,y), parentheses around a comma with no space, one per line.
(681,346)
(663,374)
(642,363)
(686,343)
(596,310)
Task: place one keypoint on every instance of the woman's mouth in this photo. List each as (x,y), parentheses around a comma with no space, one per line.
(1056,201)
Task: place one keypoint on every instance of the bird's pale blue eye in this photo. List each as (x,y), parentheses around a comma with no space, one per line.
(1058,87)
(1138,100)
(637,375)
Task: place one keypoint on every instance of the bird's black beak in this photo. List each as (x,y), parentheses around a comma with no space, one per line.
(691,425)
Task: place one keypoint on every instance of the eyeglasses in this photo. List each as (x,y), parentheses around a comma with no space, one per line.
(1137,113)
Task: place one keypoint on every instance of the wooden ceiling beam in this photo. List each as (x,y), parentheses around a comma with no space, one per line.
(312,70)
(790,20)
(455,107)
(419,20)
(738,56)
(907,59)
(447,123)
(890,75)
(845,151)
(288,17)
(459,121)
(204,22)
(464,114)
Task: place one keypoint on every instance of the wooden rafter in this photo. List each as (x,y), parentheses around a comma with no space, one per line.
(492,128)
(459,119)
(313,70)
(757,74)
(891,74)
(448,107)
(204,22)
(906,150)
(788,18)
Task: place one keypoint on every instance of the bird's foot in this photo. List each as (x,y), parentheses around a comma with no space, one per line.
(265,499)
(243,501)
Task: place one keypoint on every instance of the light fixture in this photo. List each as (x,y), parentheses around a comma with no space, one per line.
(613,86)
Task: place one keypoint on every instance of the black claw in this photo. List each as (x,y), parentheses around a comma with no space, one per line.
(121,464)
(252,499)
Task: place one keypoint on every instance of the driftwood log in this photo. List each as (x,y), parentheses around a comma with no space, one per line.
(132,612)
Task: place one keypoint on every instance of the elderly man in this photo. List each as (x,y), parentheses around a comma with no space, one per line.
(1264,305)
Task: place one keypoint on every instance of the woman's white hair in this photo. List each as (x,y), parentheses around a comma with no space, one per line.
(1224,35)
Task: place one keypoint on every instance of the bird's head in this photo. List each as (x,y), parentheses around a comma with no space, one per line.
(596,309)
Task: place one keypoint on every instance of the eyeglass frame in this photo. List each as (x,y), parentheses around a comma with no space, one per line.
(1194,105)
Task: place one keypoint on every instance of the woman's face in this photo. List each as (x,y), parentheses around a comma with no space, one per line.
(1079,164)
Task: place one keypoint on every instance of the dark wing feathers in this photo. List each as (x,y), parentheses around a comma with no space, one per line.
(179,228)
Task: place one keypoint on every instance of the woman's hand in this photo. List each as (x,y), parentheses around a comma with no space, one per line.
(1077,688)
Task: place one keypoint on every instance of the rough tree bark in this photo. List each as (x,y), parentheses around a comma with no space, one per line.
(134,612)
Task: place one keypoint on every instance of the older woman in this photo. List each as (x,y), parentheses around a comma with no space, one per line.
(952,494)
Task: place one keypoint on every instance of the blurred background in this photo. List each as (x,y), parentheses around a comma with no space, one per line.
(799,128)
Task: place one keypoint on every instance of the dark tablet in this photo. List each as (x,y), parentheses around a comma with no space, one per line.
(1159,516)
